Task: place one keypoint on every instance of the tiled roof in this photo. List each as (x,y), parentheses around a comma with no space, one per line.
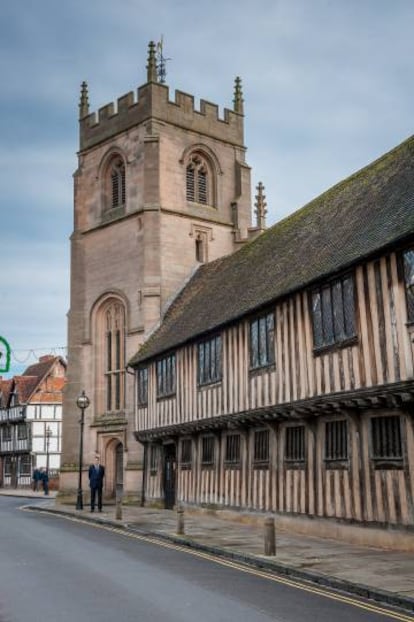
(24,386)
(41,368)
(356,218)
(5,389)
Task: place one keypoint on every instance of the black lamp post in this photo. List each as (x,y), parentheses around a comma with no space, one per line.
(48,435)
(82,403)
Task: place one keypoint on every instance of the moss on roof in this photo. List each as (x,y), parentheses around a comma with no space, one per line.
(354,219)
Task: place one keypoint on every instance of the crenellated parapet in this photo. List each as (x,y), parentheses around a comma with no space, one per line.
(152,102)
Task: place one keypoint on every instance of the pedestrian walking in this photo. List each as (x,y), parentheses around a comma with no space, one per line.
(45,480)
(36,479)
(96,476)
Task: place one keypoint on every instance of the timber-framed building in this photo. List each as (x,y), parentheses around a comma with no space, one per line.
(281,377)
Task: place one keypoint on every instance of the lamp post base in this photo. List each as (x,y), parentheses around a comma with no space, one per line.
(79,501)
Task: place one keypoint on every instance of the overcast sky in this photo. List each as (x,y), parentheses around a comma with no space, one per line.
(328,87)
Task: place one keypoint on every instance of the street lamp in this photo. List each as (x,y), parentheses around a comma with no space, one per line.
(82,403)
(48,435)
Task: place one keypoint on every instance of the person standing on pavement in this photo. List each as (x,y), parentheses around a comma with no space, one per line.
(96,476)
(36,479)
(44,476)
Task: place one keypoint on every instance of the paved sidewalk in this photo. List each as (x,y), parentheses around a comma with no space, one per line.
(383,575)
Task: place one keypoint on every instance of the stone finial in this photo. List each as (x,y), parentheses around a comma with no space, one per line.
(238,96)
(152,63)
(260,207)
(84,101)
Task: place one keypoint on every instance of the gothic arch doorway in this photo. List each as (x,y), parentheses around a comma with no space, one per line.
(114,468)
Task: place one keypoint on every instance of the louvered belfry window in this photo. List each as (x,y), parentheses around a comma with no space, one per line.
(118,183)
(198,179)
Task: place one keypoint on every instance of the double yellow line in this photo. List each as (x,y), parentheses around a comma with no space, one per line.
(242,568)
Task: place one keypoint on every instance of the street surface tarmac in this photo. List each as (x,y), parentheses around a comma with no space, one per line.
(384,576)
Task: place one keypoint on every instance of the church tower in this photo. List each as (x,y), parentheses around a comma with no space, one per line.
(160,188)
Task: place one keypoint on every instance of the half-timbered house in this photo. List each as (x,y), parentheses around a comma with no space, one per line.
(31,421)
(281,377)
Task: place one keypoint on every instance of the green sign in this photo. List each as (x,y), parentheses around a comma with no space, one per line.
(4,355)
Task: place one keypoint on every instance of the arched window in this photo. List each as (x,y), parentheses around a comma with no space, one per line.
(117,179)
(114,356)
(199,182)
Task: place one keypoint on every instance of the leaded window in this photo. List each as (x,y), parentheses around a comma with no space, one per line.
(409,283)
(261,447)
(232,455)
(210,360)
(333,312)
(118,182)
(166,376)
(142,385)
(25,465)
(386,437)
(22,431)
(207,450)
(198,180)
(186,453)
(114,356)
(336,440)
(262,336)
(295,444)
(7,433)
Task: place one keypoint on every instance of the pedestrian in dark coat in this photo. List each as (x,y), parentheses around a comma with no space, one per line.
(36,479)
(45,480)
(96,476)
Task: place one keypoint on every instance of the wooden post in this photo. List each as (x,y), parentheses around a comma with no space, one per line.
(118,501)
(180,520)
(269,537)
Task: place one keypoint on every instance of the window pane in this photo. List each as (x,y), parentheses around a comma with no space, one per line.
(262,342)
(254,344)
(349,306)
(317,319)
(327,319)
(338,311)
(270,321)
(409,283)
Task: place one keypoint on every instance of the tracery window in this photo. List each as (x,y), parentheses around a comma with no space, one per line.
(199,180)
(114,356)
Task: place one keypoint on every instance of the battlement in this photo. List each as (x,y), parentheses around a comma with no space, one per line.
(152,102)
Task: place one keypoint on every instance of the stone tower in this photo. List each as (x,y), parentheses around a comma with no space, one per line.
(159,188)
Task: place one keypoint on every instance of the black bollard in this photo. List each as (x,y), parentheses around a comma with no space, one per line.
(269,537)
(180,521)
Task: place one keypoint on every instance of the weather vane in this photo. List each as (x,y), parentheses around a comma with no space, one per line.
(161,61)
